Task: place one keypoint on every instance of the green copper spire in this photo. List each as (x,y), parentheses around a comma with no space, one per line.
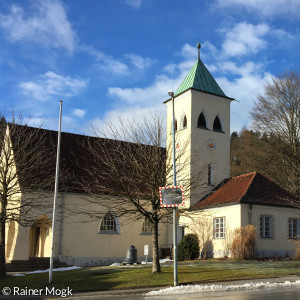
(199,78)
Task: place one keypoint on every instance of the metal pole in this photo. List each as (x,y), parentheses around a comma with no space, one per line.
(55,192)
(175,208)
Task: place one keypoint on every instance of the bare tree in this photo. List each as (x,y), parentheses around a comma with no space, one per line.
(277,115)
(201,225)
(130,163)
(23,162)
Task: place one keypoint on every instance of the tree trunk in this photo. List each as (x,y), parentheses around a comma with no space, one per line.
(2,250)
(155,249)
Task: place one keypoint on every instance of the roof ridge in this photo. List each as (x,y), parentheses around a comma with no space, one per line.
(243,175)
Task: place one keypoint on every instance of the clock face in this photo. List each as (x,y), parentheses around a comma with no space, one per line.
(211,145)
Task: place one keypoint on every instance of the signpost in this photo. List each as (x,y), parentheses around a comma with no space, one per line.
(146,251)
(173,196)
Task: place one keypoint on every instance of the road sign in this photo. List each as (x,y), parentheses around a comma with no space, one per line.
(146,249)
(171,196)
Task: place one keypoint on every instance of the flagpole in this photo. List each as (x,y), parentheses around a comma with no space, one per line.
(55,192)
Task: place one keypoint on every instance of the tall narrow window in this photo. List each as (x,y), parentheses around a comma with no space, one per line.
(294,228)
(266,227)
(201,121)
(146,227)
(217,124)
(108,223)
(210,174)
(220,228)
(184,122)
(175,125)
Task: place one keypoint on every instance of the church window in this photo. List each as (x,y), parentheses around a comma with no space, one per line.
(266,227)
(217,125)
(219,228)
(184,122)
(201,121)
(146,227)
(294,228)
(210,175)
(108,223)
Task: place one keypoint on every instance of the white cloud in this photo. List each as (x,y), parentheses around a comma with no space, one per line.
(265,7)
(79,112)
(134,3)
(138,61)
(155,93)
(51,85)
(244,39)
(106,62)
(134,115)
(46,24)
(248,83)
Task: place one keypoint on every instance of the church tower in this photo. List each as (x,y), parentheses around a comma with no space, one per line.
(202,132)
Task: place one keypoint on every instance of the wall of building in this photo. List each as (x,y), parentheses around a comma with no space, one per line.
(77,238)
(201,223)
(279,244)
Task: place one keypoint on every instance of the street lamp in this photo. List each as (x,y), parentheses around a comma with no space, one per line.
(171,94)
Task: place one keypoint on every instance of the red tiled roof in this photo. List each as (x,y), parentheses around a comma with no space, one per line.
(248,188)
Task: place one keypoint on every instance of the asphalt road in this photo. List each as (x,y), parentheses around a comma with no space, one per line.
(268,294)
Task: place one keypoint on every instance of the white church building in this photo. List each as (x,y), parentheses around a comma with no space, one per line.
(215,207)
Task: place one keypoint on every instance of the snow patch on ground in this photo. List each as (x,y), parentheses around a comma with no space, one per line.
(46,271)
(115,265)
(55,270)
(162,261)
(184,289)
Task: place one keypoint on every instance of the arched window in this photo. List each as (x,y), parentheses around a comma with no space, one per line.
(201,121)
(184,122)
(108,223)
(217,124)
(147,227)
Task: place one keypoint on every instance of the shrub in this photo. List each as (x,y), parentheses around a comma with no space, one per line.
(297,250)
(244,244)
(188,248)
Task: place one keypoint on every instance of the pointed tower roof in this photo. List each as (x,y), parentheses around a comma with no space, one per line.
(199,78)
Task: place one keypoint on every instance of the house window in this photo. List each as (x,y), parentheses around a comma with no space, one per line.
(219,228)
(201,121)
(210,174)
(217,125)
(108,223)
(184,122)
(294,228)
(147,227)
(266,227)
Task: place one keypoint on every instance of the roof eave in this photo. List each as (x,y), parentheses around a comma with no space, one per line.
(225,97)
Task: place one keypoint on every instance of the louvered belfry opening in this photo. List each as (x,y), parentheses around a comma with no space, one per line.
(201,121)
(217,124)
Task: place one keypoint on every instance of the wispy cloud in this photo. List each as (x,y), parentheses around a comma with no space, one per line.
(265,7)
(45,23)
(51,85)
(139,61)
(106,62)
(77,112)
(134,3)
(244,38)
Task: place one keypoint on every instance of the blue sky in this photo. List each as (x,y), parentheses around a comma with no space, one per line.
(106,59)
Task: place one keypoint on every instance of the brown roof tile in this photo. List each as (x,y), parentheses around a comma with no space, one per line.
(248,188)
